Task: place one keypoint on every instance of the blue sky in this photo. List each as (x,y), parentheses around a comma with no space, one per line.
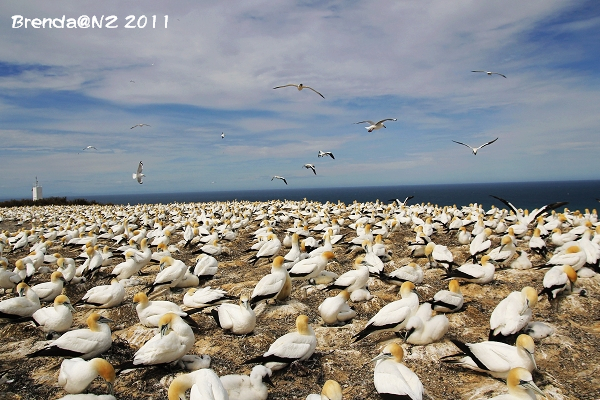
(213,68)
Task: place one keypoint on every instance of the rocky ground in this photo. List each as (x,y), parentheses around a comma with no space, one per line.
(568,361)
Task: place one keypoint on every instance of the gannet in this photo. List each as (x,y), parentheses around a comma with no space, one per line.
(423,328)
(522,261)
(310,166)
(325,154)
(89,147)
(520,386)
(310,267)
(474,273)
(490,73)
(494,358)
(393,316)
(279,177)
(291,347)
(169,276)
(272,285)
(537,244)
(23,306)
(150,311)
(55,318)
(558,279)
(392,379)
(335,310)
(410,272)
(104,296)
(299,87)
(354,279)
(205,297)
(475,149)
(222,135)
(140,125)
(450,300)
(331,391)
(138,175)
(512,314)
(375,125)
(505,251)
(206,266)
(48,291)
(268,249)
(88,396)
(204,384)
(527,219)
(480,243)
(239,319)
(244,387)
(127,268)
(85,343)
(76,374)
(174,339)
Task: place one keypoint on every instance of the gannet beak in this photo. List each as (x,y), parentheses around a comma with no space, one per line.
(105,320)
(163,329)
(381,356)
(530,355)
(532,386)
(69,306)
(267,379)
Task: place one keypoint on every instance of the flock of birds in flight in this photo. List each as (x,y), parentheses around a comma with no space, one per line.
(138,176)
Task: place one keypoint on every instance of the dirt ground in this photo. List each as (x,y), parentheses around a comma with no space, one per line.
(568,361)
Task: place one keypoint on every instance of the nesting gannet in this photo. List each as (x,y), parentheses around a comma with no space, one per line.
(474,273)
(86,343)
(127,268)
(392,379)
(505,251)
(512,314)
(331,391)
(171,275)
(239,319)
(23,306)
(480,243)
(393,316)
(244,387)
(557,280)
(490,73)
(475,149)
(206,267)
(198,298)
(174,339)
(450,300)
(335,310)
(140,125)
(494,358)
(299,87)
(325,154)
(375,125)
(268,249)
(150,311)
(47,291)
(138,175)
(276,285)
(204,384)
(310,166)
(104,296)
(279,177)
(56,318)
(520,386)
(423,328)
(76,374)
(354,279)
(311,267)
(291,347)
(527,219)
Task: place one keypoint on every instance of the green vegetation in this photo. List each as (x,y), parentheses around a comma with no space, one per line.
(49,201)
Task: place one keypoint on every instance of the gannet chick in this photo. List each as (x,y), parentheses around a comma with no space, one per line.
(335,310)
(104,296)
(299,87)
(23,306)
(423,329)
(192,362)
(494,358)
(392,379)
(512,314)
(538,330)
(48,291)
(272,286)
(174,339)
(150,311)
(294,346)
(244,387)
(84,343)
(239,319)
(204,384)
(393,316)
(331,391)
(520,386)
(450,300)
(205,297)
(76,374)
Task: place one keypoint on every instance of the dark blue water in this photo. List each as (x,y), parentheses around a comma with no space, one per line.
(530,195)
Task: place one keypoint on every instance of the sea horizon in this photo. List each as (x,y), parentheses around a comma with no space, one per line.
(526,195)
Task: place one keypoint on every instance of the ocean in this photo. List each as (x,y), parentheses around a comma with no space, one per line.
(525,195)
